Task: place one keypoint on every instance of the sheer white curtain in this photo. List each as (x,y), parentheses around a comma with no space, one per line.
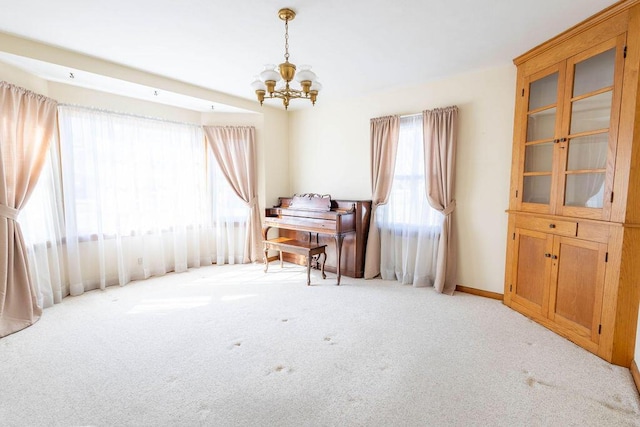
(139,197)
(584,153)
(44,231)
(228,231)
(409,227)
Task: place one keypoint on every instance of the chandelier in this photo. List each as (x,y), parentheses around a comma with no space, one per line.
(265,84)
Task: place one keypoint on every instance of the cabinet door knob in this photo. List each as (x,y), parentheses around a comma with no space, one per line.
(554,257)
(552,226)
(547,255)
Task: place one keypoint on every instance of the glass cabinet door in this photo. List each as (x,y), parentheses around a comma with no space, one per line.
(569,132)
(541,123)
(589,131)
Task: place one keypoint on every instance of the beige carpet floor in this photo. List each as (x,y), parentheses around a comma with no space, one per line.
(232,346)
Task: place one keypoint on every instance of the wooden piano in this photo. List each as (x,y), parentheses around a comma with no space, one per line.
(341,224)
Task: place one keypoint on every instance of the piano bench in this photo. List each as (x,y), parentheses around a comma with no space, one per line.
(298,247)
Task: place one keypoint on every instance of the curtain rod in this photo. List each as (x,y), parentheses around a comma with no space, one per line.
(119,113)
(435,109)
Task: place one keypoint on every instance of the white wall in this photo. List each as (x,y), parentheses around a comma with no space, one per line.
(20,78)
(330,153)
(74,95)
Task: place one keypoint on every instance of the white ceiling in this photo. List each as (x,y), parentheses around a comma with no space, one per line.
(356,47)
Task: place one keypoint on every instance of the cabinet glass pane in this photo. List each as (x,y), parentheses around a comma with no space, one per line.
(537,189)
(588,152)
(585,190)
(591,113)
(541,125)
(543,92)
(594,73)
(538,157)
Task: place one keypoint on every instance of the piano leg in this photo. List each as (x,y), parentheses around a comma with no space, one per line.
(265,231)
(266,258)
(324,258)
(339,239)
(309,270)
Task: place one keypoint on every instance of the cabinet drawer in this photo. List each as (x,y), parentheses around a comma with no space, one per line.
(594,232)
(547,225)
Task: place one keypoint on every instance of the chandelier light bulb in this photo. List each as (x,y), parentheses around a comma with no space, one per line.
(258,84)
(316,85)
(305,74)
(260,89)
(270,74)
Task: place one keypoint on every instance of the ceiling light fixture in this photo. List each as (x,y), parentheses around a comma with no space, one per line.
(265,85)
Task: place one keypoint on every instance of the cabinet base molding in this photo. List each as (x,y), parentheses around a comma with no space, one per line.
(479,292)
(564,332)
(635,373)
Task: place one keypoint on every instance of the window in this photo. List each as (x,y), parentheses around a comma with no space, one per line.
(124,198)
(409,227)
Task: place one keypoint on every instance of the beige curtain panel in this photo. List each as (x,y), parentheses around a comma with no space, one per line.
(385,132)
(234,149)
(440,136)
(27,125)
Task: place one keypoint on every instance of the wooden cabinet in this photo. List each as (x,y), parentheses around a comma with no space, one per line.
(559,278)
(574,209)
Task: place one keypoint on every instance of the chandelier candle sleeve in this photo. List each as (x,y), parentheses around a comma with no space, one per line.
(265,84)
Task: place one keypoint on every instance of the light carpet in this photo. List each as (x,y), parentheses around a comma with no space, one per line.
(233,346)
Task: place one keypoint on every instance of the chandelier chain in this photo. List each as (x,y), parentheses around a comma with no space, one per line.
(286,40)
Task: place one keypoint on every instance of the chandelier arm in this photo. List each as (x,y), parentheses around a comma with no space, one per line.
(283,95)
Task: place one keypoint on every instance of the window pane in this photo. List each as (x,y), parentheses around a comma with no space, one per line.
(585,190)
(588,152)
(543,92)
(537,189)
(131,175)
(591,113)
(541,125)
(226,206)
(594,73)
(407,205)
(42,214)
(538,157)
